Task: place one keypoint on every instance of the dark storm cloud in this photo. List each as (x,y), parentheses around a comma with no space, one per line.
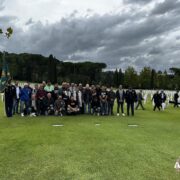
(119,40)
(166,7)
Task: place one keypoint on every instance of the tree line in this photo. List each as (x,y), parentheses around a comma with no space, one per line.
(36,68)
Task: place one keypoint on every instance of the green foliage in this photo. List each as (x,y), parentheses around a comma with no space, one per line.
(36,68)
(8,33)
(131,78)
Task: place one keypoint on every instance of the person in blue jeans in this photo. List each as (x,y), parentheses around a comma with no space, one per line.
(87,98)
(25,99)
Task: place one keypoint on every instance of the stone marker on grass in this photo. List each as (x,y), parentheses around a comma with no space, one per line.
(57,125)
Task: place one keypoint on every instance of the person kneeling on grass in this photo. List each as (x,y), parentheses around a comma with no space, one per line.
(49,105)
(72,108)
(96,108)
(59,106)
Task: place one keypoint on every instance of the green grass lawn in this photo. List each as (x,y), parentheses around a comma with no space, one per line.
(30,148)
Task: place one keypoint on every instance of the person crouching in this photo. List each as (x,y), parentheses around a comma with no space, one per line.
(49,105)
(72,108)
(59,106)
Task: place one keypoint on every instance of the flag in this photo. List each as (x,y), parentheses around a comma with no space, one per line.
(5,75)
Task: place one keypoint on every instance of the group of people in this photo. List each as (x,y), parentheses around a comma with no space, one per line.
(159,100)
(72,99)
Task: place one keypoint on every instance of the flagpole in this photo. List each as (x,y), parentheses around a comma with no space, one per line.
(4,53)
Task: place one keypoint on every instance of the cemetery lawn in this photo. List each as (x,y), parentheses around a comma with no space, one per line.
(32,149)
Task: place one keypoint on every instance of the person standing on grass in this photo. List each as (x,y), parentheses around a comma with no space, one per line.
(157,101)
(131,98)
(25,100)
(163,100)
(111,96)
(17,98)
(80,98)
(120,95)
(33,105)
(176,96)
(10,95)
(40,96)
(139,100)
(87,97)
(103,101)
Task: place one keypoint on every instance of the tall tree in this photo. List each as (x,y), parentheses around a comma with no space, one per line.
(145,78)
(131,78)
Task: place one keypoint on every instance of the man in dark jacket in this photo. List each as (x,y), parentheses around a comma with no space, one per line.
(176,96)
(111,96)
(131,98)
(120,95)
(139,100)
(25,100)
(10,95)
(157,101)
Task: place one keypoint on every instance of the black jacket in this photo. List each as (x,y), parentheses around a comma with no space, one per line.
(119,99)
(131,96)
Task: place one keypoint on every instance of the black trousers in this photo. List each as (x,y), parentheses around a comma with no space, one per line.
(175,103)
(140,103)
(9,107)
(110,108)
(157,106)
(120,104)
(130,106)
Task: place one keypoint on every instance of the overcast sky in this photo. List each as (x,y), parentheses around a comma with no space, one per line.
(120,33)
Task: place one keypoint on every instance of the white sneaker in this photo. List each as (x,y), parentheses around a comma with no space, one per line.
(123,114)
(34,114)
(22,114)
(117,114)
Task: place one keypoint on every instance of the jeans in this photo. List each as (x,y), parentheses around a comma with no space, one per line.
(15,106)
(110,108)
(140,103)
(104,107)
(26,105)
(87,105)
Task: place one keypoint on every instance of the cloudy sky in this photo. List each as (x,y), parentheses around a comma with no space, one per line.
(120,33)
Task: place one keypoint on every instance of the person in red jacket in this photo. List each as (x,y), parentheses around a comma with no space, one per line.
(40,96)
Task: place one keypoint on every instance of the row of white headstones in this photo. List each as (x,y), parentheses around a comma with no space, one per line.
(147,94)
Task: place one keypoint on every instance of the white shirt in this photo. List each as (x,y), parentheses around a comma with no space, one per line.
(17,92)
